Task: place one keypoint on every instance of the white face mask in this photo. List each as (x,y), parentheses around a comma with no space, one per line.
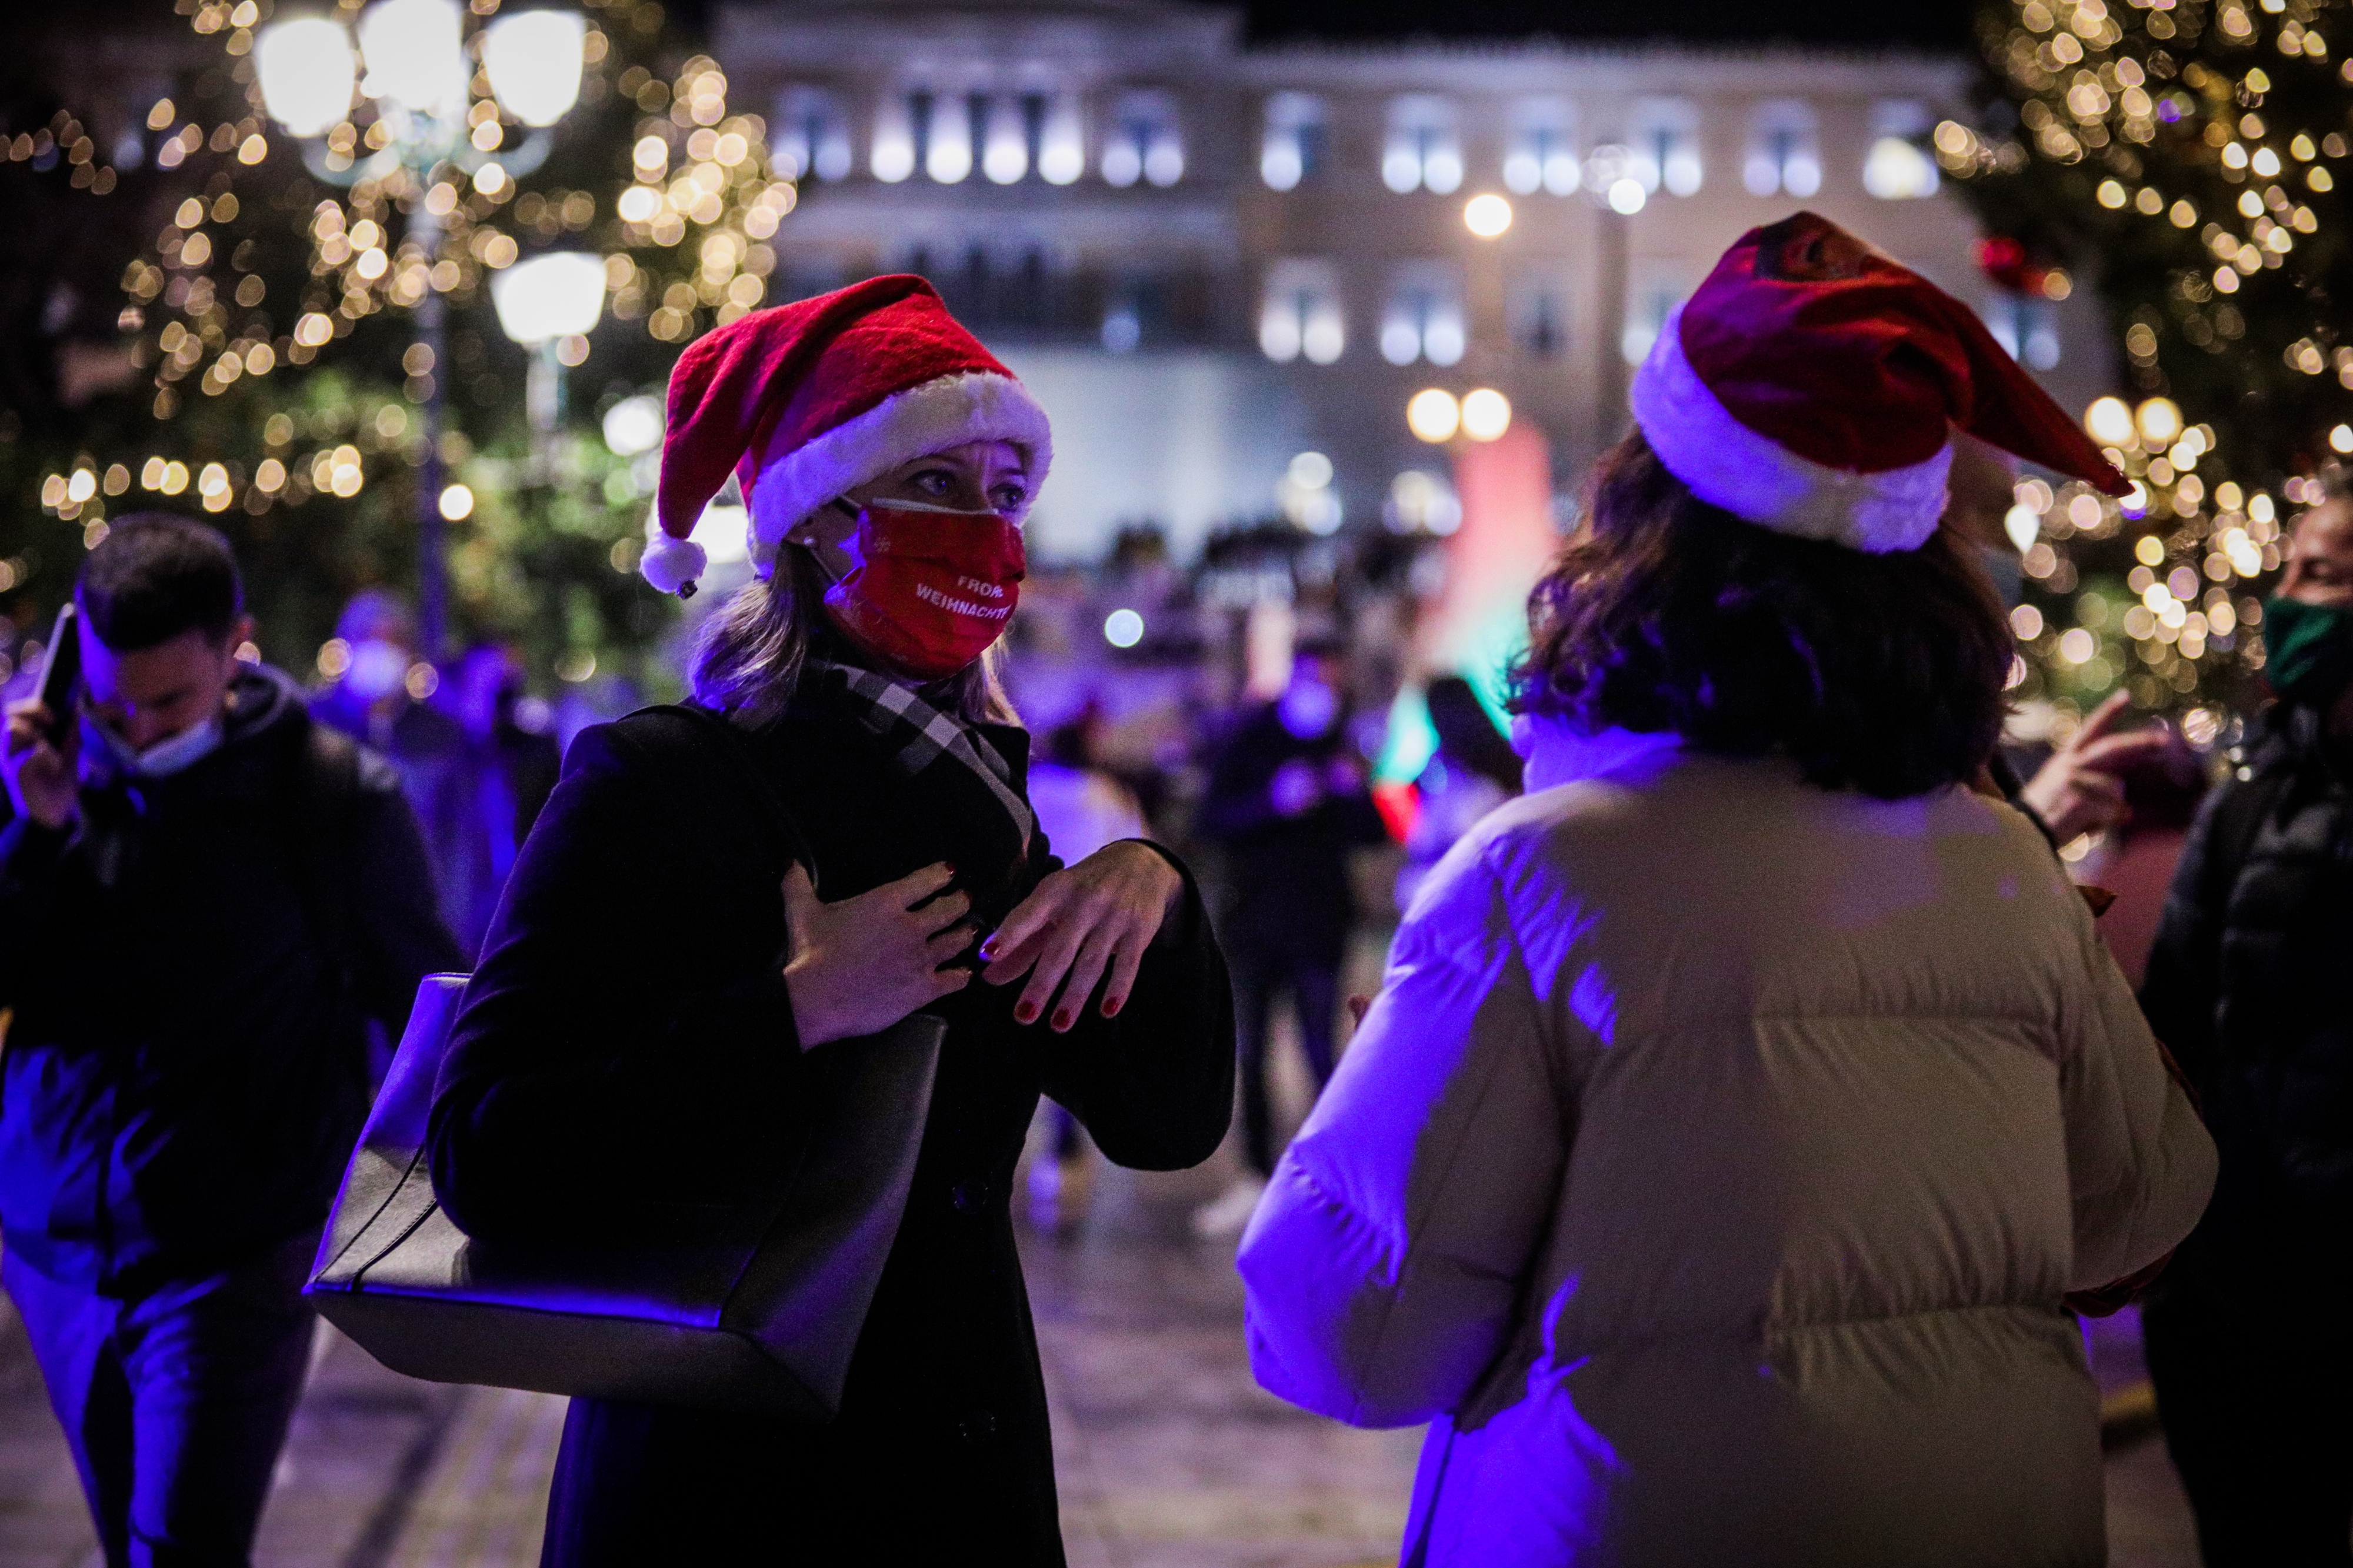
(377,669)
(171,754)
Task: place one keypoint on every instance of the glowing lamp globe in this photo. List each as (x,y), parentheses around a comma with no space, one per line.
(1487,216)
(414,54)
(307,74)
(1486,414)
(533,59)
(2109,422)
(1433,416)
(557,295)
(634,425)
(2159,419)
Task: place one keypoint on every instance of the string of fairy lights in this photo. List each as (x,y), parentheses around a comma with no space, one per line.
(685,241)
(2132,95)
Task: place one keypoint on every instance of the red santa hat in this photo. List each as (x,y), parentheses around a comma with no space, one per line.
(811,399)
(1811,386)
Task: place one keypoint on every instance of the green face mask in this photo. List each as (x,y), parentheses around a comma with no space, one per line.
(2309,650)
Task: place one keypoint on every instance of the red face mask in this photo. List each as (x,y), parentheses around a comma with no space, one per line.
(929,589)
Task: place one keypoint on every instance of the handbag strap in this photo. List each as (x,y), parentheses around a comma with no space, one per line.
(731,744)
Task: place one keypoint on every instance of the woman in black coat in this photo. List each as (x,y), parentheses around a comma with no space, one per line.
(662,976)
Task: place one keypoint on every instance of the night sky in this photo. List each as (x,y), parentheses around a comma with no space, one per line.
(1924,24)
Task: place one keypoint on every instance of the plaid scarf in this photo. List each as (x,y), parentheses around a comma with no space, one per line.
(923,735)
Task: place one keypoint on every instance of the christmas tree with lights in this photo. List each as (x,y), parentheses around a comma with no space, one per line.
(2181,156)
(284,388)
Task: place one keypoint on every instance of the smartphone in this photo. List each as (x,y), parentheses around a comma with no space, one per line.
(61,673)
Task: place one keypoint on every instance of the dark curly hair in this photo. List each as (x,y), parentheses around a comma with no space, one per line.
(1877,673)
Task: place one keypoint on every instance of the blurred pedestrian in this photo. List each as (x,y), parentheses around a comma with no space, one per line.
(1288,797)
(204,898)
(1740,1105)
(2245,1335)
(1081,807)
(664,988)
(1472,772)
(509,768)
(372,700)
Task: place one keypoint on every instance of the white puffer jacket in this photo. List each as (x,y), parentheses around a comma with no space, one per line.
(1708,1172)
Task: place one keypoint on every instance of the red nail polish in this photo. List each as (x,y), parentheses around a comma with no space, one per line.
(1025,1013)
(1112,1005)
(1061,1020)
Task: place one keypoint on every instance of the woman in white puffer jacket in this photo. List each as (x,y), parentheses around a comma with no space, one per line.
(1740,1105)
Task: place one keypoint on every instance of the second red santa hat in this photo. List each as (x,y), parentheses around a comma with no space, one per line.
(1812,386)
(809,400)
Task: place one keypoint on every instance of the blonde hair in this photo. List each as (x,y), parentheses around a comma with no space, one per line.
(749,656)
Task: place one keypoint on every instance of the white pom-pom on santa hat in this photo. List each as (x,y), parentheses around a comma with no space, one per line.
(670,563)
(1812,386)
(809,400)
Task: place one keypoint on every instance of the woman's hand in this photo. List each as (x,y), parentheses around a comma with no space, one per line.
(861,964)
(1100,913)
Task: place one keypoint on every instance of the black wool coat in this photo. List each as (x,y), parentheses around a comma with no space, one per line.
(628,1037)
(191,971)
(2245,984)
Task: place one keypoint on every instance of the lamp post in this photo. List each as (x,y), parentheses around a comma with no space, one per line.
(541,302)
(417,80)
(1617,196)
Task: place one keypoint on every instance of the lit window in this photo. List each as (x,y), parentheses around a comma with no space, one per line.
(2028,328)
(1144,141)
(812,136)
(1423,317)
(943,131)
(1301,315)
(1543,150)
(1538,307)
(1293,147)
(1784,150)
(1006,134)
(893,158)
(1061,143)
(1424,149)
(1663,152)
(1897,168)
(1658,288)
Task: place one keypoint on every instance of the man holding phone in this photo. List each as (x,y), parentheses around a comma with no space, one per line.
(204,901)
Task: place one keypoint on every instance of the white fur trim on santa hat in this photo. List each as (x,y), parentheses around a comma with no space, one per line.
(1752,477)
(670,564)
(979,405)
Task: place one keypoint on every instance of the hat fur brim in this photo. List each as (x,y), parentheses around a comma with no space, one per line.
(931,417)
(1757,480)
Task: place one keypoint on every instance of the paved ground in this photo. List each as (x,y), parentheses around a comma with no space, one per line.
(1169,1457)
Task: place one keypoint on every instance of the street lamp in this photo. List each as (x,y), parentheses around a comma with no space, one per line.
(541,302)
(417,79)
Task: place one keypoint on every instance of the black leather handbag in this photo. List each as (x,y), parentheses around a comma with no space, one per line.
(757,1310)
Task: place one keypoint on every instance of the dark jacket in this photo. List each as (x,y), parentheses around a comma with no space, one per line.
(628,1037)
(191,970)
(1287,878)
(2245,985)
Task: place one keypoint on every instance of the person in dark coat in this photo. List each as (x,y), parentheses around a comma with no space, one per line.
(2245,1331)
(1288,798)
(664,973)
(372,700)
(205,901)
(508,770)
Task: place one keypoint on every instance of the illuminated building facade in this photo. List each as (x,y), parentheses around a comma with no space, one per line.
(1210,255)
